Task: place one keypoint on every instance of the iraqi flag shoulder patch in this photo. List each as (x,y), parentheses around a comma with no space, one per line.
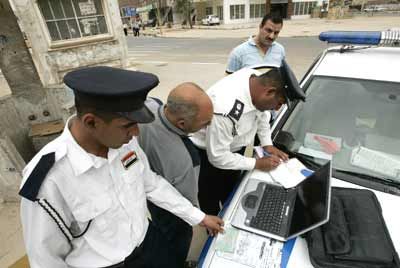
(129,159)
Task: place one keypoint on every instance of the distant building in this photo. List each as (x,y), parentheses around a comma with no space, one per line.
(229,11)
(244,11)
(146,10)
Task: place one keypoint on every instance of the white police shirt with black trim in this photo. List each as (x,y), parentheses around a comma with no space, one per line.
(235,123)
(110,192)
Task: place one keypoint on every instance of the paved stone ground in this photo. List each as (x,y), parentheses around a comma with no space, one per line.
(4,88)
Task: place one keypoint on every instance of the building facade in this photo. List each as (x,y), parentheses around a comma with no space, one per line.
(62,35)
(245,11)
(229,11)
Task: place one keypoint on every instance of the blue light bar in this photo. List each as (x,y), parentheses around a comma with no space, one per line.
(352,37)
(384,38)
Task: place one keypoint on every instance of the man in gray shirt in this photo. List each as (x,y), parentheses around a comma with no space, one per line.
(172,155)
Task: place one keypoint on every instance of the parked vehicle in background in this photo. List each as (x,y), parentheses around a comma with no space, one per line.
(374,9)
(210,20)
(151,22)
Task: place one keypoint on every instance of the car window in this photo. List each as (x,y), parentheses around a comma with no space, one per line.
(353,121)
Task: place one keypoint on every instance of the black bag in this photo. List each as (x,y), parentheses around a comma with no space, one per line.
(355,236)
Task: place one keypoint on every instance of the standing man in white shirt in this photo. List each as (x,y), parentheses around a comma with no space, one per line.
(239,102)
(84,194)
(259,49)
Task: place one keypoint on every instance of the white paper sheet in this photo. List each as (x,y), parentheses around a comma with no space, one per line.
(290,173)
(254,251)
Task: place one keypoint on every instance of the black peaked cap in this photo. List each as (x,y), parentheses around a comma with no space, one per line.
(292,87)
(113,90)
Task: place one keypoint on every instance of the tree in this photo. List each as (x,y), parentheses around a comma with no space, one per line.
(185,7)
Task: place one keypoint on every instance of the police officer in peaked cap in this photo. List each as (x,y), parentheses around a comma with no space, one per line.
(84,194)
(240,101)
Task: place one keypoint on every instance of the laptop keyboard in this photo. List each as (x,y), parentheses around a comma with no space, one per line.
(270,212)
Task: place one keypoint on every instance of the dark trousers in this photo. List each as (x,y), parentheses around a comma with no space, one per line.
(215,184)
(154,252)
(175,231)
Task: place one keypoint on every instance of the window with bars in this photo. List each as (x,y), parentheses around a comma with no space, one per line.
(220,12)
(236,12)
(303,8)
(257,10)
(209,11)
(69,19)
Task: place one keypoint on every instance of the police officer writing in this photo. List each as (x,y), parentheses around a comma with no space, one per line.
(84,194)
(239,102)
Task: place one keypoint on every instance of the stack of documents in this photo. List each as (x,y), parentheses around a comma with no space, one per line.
(288,174)
(247,249)
(377,161)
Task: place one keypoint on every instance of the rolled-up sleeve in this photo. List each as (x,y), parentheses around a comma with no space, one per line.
(263,128)
(234,62)
(218,140)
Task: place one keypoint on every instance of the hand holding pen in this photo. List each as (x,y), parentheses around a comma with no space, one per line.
(272,150)
(267,162)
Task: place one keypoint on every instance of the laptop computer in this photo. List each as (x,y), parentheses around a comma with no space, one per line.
(273,211)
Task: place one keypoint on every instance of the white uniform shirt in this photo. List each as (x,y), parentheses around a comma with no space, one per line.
(83,187)
(235,123)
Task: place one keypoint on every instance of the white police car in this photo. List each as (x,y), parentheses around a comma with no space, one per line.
(351,115)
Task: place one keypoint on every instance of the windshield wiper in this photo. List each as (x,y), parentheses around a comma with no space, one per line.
(369,180)
(366,176)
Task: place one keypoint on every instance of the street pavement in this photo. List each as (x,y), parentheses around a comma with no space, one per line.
(199,55)
(291,28)
(203,60)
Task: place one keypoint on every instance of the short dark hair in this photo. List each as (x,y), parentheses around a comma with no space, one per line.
(275,18)
(82,109)
(180,107)
(272,78)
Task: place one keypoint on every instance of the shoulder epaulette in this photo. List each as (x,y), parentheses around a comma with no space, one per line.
(31,189)
(237,110)
(32,185)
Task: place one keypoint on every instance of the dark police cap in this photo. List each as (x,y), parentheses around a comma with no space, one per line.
(113,90)
(291,87)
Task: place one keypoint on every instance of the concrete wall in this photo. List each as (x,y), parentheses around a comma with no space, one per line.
(54,59)
(35,77)
(11,165)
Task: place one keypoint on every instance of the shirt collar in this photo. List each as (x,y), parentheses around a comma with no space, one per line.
(81,161)
(164,120)
(253,43)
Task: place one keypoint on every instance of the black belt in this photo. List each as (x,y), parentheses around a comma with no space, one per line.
(135,253)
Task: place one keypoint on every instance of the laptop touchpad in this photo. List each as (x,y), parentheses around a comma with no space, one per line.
(251,201)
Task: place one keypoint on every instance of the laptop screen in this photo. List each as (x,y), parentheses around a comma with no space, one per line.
(312,200)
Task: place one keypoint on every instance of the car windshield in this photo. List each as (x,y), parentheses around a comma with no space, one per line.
(352,121)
